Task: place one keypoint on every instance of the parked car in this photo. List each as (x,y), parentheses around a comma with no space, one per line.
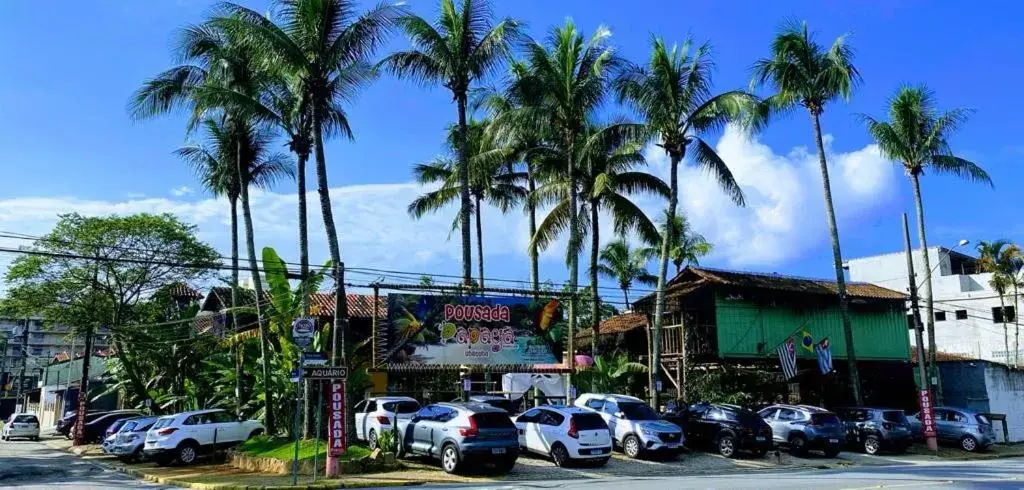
(509,406)
(108,437)
(565,434)
(128,442)
(971,430)
(66,425)
(182,437)
(634,426)
(802,428)
(727,429)
(95,430)
(461,435)
(875,429)
(374,415)
(21,425)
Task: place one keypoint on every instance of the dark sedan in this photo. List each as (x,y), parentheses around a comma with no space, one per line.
(725,428)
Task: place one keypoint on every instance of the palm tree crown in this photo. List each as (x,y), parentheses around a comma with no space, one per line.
(686,246)
(626,265)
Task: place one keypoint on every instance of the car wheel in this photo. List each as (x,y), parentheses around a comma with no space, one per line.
(560,455)
(872,445)
(631,446)
(831,451)
(727,445)
(35,438)
(187,453)
(255,433)
(797,445)
(450,460)
(371,440)
(969,443)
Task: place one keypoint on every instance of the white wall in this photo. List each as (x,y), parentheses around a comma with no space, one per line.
(1005,388)
(977,335)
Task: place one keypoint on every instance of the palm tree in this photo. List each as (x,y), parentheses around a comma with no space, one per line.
(626,265)
(492,179)
(567,78)
(457,51)
(606,161)
(685,245)
(805,73)
(916,136)
(1002,259)
(673,94)
(216,60)
(326,45)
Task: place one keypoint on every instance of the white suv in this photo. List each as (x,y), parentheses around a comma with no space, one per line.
(635,426)
(182,437)
(374,415)
(566,434)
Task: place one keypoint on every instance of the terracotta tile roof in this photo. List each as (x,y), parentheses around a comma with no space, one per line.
(943,356)
(179,290)
(322,304)
(617,324)
(785,283)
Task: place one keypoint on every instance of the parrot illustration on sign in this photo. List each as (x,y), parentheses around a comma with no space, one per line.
(547,314)
(447,331)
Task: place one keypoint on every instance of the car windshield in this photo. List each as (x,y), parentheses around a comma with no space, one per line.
(26,419)
(161,423)
(493,420)
(588,421)
(129,426)
(637,411)
(894,416)
(982,419)
(502,403)
(401,407)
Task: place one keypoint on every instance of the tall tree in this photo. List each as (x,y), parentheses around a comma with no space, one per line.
(1002,259)
(216,59)
(807,74)
(626,265)
(916,136)
(327,45)
(673,94)
(685,245)
(607,178)
(492,180)
(568,78)
(459,49)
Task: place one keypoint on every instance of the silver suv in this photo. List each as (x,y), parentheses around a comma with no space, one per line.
(804,427)
(461,435)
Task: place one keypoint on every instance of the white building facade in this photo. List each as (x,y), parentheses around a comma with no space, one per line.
(969,317)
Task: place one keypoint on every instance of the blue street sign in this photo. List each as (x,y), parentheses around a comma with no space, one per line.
(314,358)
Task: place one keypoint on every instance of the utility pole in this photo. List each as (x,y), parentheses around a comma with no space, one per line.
(24,364)
(83,387)
(919,337)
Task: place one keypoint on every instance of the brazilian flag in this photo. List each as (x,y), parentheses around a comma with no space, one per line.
(807,342)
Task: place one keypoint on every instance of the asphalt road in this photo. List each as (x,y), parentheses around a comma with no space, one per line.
(32,465)
(1001,473)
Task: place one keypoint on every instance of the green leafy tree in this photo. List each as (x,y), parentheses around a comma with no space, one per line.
(673,93)
(805,73)
(102,268)
(611,374)
(626,265)
(916,136)
(462,47)
(1002,259)
(685,245)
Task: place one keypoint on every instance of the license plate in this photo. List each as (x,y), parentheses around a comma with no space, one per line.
(833,441)
(760,438)
(498,450)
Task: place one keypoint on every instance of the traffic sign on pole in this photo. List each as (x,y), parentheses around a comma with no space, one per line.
(325,372)
(303,330)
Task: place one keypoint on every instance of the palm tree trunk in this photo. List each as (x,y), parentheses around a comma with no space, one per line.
(257,281)
(1016,324)
(479,242)
(467,268)
(659,294)
(532,210)
(574,263)
(929,299)
(307,415)
(1006,329)
(595,311)
(237,349)
(837,257)
(339,331)
(625,296)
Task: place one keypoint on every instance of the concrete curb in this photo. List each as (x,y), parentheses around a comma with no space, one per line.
(142,475)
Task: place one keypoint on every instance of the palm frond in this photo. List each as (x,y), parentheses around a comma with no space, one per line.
(708,159)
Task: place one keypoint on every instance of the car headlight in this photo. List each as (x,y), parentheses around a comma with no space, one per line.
(647,431)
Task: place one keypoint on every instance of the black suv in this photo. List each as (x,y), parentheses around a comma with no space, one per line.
(875,429)
(725,428)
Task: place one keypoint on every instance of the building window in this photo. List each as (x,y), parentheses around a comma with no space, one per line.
(997,314)
(961,314)
(940,316)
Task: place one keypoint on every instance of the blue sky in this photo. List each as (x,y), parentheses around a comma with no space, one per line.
(69,144)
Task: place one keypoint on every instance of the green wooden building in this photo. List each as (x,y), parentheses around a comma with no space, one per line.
(718,316)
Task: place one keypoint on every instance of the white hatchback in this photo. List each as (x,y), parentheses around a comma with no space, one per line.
(182,437)
(566,434)
(374,415)
(21,425)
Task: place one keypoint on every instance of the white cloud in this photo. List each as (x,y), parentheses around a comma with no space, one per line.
(180,191)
